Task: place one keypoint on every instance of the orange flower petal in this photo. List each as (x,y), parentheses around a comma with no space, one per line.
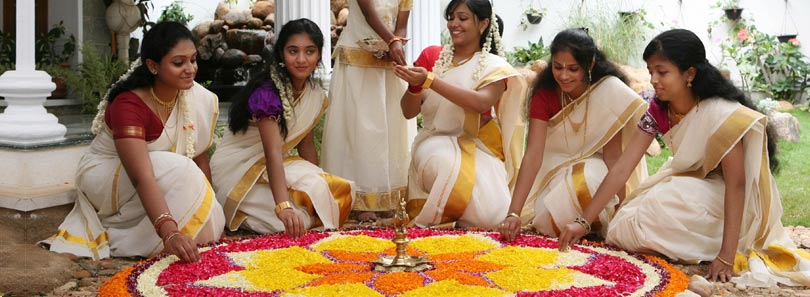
(470,266)
(411,251)
(463,278)
(398,282)
(678,281)
(324,268)
(117,285)
(343,278)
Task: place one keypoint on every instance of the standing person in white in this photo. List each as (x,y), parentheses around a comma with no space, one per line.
(365,137)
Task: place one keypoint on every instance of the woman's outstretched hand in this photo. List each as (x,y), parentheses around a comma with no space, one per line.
(183,247)
(414,76)
(509,228)
(570,234)
(719,271)
(293,223)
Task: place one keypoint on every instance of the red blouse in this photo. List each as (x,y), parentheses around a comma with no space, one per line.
(129,117)
(545,104)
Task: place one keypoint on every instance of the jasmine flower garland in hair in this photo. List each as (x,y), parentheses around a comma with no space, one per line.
(98,121)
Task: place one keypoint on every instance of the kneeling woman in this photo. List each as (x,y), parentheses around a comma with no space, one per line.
(463,160)
(259,181)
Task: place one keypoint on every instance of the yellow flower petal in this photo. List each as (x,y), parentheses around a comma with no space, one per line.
(354,290)
(281,279)
(524,278)
(452,288)
(454,244)
(357,243)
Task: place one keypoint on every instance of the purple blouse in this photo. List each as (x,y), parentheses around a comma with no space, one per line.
(655,120)
(265,102)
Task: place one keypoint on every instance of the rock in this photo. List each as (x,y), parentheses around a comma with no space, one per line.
(235,19)
(654,149)
(65,288)
(233,58)
(82,274)
(267,28)
(255,23)
(786,126)
(216,26)
(219,53)
(253,59)
(222,10)
(249,41)
(269,39)
(337,5)
(202,29)
(270,20)
(700,286)
(209,44)
(332,19)
(262,9)
(29,270)
(538,66)
(343,17)
(784,106)
(225,27)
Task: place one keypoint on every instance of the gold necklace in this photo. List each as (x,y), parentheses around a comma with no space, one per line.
(166,106)
(564,98)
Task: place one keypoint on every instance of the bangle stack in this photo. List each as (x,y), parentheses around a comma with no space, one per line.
(514,215)
(584,223)
(162,219)
(170,236)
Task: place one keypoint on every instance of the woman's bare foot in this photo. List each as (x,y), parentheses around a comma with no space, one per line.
(367,217)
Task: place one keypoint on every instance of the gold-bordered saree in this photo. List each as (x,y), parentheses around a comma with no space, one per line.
(108,218)
(678,212)
(573,166)
(462,172)
(242,185)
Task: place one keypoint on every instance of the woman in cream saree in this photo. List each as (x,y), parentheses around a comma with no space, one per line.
(461,165)
(162,151)
(572,142)
(262,182)
(715,199)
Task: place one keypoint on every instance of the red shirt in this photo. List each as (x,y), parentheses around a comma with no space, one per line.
(545,104)
(129,117)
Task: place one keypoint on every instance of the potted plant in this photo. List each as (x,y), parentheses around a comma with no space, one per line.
(786,38)
(522,56)
(175,13)
(51,57)
(533,16)
(731,7)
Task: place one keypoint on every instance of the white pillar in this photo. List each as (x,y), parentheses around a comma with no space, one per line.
(316,10)
(424,27)
(25,120)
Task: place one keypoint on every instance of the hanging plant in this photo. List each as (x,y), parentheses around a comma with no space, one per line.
(731,7)
(786,38)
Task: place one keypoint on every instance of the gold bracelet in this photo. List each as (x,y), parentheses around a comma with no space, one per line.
(584,223)
(282,206)
(161,217)
(397,38)
(724,261)
(514,215)
(428,80)
(170,236)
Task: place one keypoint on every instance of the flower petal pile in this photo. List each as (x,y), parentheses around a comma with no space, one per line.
(466,263)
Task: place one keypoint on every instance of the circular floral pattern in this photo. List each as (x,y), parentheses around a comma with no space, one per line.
(466,263)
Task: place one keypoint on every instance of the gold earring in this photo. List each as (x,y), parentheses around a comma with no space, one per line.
(689,83)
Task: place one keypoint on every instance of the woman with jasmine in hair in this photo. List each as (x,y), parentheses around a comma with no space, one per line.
(143,186)
(262,184)
(581,114)
(464,159)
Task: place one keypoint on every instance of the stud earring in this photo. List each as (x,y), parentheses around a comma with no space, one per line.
(689,83)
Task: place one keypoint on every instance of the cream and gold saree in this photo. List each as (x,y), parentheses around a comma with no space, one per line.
(242,185)
(108,218)
(573,166)
(461,172)
(678,212)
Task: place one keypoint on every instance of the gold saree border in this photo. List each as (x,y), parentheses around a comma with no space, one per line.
(405,5)
(114,194)
(500,73)
(342,193)
(583,194)
(730,132)
(198,219)
(303,200)
(568,109)
(462,190)
(130,131)
(360,58)
(379,201)
(94,245)
(490,136)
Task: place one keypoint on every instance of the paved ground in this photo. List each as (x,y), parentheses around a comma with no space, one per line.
(82,277)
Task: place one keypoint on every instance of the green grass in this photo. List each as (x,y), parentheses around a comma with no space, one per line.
(792,178)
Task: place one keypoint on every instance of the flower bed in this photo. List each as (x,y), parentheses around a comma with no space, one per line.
(466,263)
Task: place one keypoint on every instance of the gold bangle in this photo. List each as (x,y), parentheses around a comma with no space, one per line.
(724,261)
(282,206)
(161,217)
(170,236)
(584,223)
(397,38)
(514,215)
(428,80)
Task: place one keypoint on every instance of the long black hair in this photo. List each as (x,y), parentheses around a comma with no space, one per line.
(483,10)
(581,46)
(684,49)
(156,44)
(239,113)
